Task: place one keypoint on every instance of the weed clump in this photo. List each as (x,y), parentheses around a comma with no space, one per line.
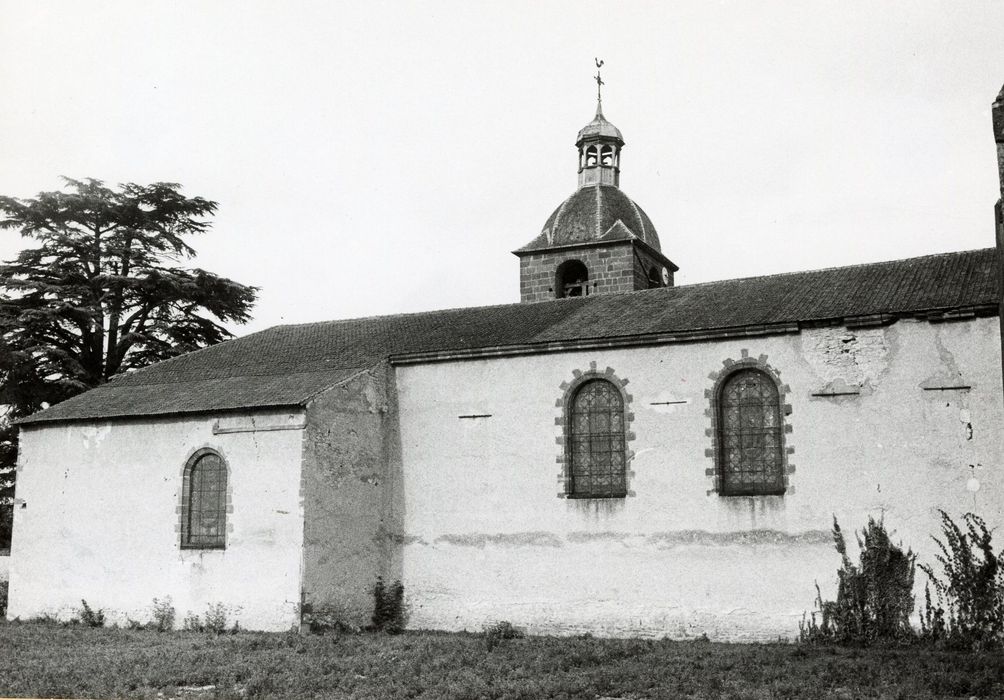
(874,596)
(163,614)
(90,617)
(324,619)
(501,631)
(213,621)
(970,593)
(388,607)
(3,598)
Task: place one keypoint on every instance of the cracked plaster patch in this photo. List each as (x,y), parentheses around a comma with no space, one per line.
(843,358)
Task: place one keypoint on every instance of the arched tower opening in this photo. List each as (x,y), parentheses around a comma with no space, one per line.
(654,277)
(571,279)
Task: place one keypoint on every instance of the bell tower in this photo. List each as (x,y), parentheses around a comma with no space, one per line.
(598,241)
(599,143)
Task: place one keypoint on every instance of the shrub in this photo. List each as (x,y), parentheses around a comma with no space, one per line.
(874,597)
(327,618)
(388,607)
(970,594)
(163,614)
(192,623)
(3,598)
(214,620)
(91,617)
(500,632)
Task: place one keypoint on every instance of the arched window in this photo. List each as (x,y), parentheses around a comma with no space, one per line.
(596,450)
(571,279)
(751,454)
(592,156)
(204,504)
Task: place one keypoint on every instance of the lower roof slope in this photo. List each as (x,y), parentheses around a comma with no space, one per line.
(284,366)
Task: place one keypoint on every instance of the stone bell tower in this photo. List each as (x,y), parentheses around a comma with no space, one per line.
(598,241)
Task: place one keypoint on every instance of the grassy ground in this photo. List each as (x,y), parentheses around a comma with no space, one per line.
(48,660)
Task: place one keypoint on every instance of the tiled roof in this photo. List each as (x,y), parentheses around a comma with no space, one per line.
(591,215)
(287,365)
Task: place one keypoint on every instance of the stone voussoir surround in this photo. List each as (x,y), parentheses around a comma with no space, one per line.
(729,366)
(564,406)
(186,474)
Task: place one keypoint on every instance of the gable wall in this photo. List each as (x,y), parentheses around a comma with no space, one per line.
(98,518)
(486,535)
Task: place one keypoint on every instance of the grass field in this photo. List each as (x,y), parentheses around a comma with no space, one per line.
(49,660)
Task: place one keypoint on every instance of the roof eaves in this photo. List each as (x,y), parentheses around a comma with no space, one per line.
(550,346)
(571,246)
(35,421)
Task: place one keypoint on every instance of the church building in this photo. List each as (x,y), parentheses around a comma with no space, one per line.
(614,454)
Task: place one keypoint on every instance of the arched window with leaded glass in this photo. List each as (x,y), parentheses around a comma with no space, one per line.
(596,457)
(751,451)
(204,502)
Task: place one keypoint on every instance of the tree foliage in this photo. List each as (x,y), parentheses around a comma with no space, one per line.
(101,290)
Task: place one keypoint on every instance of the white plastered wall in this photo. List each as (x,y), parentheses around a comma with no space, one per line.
(486,536)
(98,519)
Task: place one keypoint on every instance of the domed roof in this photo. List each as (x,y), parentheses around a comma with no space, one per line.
(595,213)
(599,127)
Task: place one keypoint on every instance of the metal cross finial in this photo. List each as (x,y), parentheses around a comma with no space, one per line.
(598,79)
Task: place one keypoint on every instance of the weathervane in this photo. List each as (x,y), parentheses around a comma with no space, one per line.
(598,79)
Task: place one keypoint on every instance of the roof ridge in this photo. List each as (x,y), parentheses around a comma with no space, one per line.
(599,210)
(641,219)
(837,267)
(619,222)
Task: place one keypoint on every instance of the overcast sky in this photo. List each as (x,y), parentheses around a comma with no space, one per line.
(374,158)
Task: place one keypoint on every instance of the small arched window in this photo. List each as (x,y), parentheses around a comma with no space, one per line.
(751,453)
(204,504)
(597,467)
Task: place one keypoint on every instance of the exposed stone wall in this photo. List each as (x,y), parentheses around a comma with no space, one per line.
(888,429)
(644,262)
(619,267)
(348,497)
